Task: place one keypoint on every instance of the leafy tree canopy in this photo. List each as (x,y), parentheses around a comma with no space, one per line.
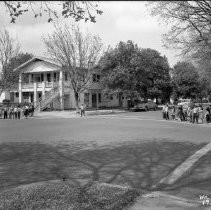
(185,80)
(135,72)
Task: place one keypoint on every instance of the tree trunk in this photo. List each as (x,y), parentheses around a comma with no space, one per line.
(120,100)
(76,101)
(156,100)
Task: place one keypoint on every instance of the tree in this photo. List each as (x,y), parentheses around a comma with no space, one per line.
(204,70)
(190,25)
(9,78)
(157,78)
(204,88)
(118,75)
(78,10)
(135,72)
(185,80)
(75,51)
(8,49)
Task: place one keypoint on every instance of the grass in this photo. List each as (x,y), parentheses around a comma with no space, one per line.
(64,195)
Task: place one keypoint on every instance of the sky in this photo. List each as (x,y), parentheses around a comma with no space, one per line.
(120,21)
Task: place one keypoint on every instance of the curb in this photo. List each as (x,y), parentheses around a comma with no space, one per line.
(160,201)
(184,167)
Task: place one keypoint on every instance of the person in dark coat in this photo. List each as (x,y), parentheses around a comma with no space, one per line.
(19,112)
(5,112)
(26,112)
(207,115)
(32,110)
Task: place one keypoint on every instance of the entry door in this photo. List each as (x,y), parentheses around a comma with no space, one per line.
(86,99)
(94,100)
(66,101)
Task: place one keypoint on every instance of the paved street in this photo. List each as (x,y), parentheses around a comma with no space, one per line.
(103,129)
(132,149)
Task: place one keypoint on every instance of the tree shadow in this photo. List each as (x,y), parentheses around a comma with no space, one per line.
(138,164)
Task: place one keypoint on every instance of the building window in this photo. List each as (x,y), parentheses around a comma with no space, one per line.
(54,77)
(99,97)
(65,76)
(95,77)
(98,78)
(25,95)
(42,77)
(17,95)
(49,77)
(111,97)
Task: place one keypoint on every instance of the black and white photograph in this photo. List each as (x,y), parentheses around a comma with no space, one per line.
(105,105)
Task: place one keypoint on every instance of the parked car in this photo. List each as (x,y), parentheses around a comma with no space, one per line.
(183,102)
(145,106)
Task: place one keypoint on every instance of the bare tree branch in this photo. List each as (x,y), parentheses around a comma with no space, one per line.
(74,50)
(78,10)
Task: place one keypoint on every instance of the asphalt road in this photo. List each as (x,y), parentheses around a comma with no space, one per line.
(104,129)
(39,149)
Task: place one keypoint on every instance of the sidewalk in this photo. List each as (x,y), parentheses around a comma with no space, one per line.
(73,114)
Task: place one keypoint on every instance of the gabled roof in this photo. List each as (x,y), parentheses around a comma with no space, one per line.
(49,60)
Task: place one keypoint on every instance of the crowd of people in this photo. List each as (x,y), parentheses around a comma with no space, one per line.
(16,111)
(192,113)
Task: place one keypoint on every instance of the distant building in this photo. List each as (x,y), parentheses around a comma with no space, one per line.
(44,82)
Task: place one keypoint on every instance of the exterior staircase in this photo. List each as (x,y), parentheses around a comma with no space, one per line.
(49,97)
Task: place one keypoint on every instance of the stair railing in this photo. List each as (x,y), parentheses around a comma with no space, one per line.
(45,99)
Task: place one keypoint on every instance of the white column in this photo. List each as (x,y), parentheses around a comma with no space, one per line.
(20,88)
(35,93)
(61,90)
(43,89)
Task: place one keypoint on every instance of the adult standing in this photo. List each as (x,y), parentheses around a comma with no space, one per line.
(19,112)
(5,112)
(16,112)
(180,113)
(166,110)
(82,110)
(163,112)
(201,115)
(32,110)
(195,114)
(173,112)
(207,114)
(26,111)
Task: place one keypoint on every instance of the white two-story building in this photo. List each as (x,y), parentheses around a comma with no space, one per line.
(44,82)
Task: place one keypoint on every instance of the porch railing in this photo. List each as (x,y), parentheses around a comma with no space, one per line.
(39,85)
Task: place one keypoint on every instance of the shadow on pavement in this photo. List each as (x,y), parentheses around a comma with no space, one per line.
(139,164)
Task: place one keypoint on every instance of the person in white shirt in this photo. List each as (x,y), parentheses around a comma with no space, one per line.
(82,110)
(166,112)
(195,114)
